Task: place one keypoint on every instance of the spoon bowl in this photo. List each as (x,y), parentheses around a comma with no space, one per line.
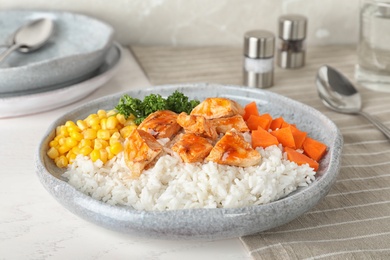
(30,36)
(340,95)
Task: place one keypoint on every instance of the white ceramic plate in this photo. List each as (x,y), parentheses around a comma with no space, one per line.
(77,47)
(201,223)
(29,103)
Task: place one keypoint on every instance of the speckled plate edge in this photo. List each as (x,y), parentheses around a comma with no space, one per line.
(55,97)
(209,224)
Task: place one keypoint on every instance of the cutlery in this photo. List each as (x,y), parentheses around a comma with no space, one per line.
(340,95)
(30,36)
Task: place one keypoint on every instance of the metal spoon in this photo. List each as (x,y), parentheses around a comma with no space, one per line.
(338,94)
(30,36)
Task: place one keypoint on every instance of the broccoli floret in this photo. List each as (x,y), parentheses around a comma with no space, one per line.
(176,102)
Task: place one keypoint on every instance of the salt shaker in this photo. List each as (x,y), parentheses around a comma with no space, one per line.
(259,48)
(292,47)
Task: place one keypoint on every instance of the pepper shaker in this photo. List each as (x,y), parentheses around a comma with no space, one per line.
(292,47)
(259,47)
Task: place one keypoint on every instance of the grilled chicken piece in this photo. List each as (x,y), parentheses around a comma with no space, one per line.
(226,124)
(140,149)
(233,150)
(218,107)
(197,125)
(192,148)
(161,124)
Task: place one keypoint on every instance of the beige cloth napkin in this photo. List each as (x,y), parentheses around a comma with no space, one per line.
(353,221)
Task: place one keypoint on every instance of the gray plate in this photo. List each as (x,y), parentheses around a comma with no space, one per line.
(201,223)
(75,50)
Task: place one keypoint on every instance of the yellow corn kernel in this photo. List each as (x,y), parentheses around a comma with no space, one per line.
(85,142)
(53,143)
(70,142)
(53,153)
(89,133)
(92,120)
(96,127)
(112,122)
(58,129)
(103,134)
(111,113)
(71,156)
(110,155)
(61,140)
(73,129)
(100,144)
(129,122)
(82,125)
(116,148)
(126,131)
(63,149)
(101,113)
(115,138)
(95,155)
(64,131)
(86,150)
(103,155)
(69,123)
(76,136)
(103,123)
(75,150)
(121,118)
(61,161)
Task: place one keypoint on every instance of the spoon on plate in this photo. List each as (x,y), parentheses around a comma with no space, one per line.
(339,94)
(30,37)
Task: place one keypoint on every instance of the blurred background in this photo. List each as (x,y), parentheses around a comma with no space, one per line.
(204,22)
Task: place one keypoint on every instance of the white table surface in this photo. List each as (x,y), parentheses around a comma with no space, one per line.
(33,225)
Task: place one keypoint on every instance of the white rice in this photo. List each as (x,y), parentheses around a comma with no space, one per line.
(172,184)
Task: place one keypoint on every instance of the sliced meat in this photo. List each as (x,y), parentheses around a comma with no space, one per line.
(197,125)
(226,124)
(233,150)
(140,149)
(192,148)
(161,124)
(218,107)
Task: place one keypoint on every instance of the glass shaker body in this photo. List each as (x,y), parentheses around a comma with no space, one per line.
(259,47)
(292,44)
(373,67)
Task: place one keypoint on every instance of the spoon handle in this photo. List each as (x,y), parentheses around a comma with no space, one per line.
(383,128)
(7,52)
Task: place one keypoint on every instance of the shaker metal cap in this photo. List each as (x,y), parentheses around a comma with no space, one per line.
(259,44)
(292,27)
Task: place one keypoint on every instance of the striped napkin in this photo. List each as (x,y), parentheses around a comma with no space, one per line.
(353,221)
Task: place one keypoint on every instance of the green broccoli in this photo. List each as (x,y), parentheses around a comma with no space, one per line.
(176,102)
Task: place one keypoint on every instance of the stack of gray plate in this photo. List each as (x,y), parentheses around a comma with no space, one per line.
(78,58)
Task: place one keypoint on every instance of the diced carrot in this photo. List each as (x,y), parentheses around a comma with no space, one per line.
(285,137)
(284,124)
(276,123)
(299,136)
(262,138)
(314,149)
(300,158)
(255,122)
(250,109)
(269,117)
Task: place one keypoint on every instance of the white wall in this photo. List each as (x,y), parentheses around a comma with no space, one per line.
(208,22)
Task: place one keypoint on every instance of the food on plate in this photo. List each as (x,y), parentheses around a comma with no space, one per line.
(232,149)
(161,124)
(217,107)
(175,153)
(192,147)
(140,150)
